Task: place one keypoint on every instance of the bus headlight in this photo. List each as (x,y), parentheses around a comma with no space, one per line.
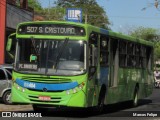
(76,89)
(18,87)
(68,92)
(23,90)
(81,85)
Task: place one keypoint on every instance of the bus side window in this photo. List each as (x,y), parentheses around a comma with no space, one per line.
(93,39)
(149,57)
(104,50)
(137,56)
(143,56)
(122,53)
(131,54)
(93,53)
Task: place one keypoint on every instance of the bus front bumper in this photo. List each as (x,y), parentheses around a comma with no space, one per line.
(64,98)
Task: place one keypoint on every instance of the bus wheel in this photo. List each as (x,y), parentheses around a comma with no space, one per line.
(7,98)
(135,99)
(157,85)
(100,106)
(38,109)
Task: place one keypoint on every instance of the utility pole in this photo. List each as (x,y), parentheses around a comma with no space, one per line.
(49,11)
(86,18)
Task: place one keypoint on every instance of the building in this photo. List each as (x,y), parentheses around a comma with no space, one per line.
(12,12)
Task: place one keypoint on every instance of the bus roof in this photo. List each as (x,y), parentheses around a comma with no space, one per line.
(130,38)
(49,22)
(101,31)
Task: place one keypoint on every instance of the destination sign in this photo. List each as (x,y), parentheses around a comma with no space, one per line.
(51,29)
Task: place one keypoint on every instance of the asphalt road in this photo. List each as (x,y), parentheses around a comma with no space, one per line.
(148,106)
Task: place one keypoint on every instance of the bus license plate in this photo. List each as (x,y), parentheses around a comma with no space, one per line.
(44,98)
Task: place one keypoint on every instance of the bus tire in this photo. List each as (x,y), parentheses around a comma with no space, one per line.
(100,106)
(135,98)
(7,97)
(156,85)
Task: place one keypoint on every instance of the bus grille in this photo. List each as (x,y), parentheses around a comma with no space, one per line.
(47,79)
(46,91)
(53,99)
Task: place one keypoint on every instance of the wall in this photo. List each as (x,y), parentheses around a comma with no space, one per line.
(2,29)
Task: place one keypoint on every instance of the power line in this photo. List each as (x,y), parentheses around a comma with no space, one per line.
(135,17)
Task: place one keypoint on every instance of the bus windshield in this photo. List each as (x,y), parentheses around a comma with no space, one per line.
(51,57)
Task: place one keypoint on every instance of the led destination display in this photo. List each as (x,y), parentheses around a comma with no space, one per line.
(51,29)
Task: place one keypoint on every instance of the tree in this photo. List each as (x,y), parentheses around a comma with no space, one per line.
(91,10)
(157,51)
(149,34)
(35,5)
(155,4)
(54,13)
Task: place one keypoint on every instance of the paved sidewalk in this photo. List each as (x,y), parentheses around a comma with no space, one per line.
(4,107)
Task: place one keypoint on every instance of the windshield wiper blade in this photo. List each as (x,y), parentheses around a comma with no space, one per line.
(36,51)
(61,52)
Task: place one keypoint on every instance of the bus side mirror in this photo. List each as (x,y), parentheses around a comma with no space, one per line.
(93,38)
(9,44)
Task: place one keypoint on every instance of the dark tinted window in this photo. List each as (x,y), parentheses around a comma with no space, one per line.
(10,70)
(2,75)
(104,40)
(122,53)
(9,75)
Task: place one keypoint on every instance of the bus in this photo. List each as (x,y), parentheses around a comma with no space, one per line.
(68,64)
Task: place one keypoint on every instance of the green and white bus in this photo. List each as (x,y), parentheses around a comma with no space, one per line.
(79,65)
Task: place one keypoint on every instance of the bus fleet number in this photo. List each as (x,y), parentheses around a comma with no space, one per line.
(32,29)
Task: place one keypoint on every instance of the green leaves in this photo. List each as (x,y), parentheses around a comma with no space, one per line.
(35,5)
(149,34)
(94,13)
(145,33)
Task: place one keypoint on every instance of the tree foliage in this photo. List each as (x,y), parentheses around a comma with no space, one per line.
(157,51)
(92,12)
(35,5)
(149,34)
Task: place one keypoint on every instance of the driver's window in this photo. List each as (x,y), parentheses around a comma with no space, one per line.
(93,53)
(104,51)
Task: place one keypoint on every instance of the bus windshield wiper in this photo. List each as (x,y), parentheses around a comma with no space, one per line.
(33,43)
(60,52)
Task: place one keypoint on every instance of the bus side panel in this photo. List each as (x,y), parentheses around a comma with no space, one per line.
(146,84)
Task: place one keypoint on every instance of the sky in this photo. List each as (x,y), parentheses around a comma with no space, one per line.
(125,15)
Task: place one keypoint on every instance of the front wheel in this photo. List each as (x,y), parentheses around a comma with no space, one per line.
(100,106)
(7,98)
